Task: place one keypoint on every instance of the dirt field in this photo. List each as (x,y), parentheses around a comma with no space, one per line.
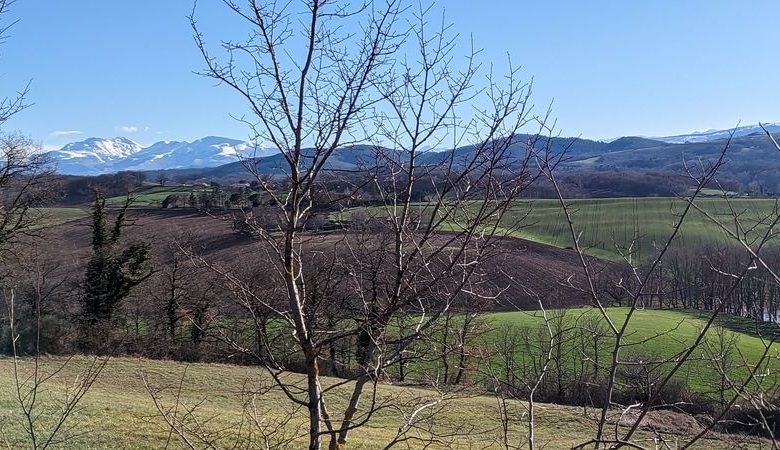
(525,271)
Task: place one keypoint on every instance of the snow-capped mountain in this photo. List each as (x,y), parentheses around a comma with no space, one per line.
(207,152)
(713,135)
(92,155)
(96,156)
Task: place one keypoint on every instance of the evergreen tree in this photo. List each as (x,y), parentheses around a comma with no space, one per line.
(112,273)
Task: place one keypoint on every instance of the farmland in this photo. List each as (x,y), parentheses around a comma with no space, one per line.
(609,224)
(151,196)
(652,335)
(119,413)
(48,217)
(660,334)
(609,227)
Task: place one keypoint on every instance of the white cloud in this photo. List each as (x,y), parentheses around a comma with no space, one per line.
(63,133)
(128,129)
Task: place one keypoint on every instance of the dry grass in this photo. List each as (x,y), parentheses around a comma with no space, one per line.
(119,413)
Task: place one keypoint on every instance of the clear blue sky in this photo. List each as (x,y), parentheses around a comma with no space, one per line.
(106,68)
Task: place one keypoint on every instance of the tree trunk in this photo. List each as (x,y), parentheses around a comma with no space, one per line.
(315,394)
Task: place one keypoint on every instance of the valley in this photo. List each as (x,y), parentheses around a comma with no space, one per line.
(324,224)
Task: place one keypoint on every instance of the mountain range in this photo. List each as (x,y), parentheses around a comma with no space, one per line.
(96,156)
(751,157)
(713,135)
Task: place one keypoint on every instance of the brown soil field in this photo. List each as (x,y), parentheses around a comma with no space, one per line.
(524,271)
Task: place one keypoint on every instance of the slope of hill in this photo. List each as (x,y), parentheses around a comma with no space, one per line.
(631,142)
(751,157)
(714,135)
(119,408)
(748,159)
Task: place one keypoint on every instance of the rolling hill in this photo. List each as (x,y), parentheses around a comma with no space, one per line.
(751,157)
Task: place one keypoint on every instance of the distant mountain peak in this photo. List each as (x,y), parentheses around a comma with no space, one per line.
(97,150)
(95,155)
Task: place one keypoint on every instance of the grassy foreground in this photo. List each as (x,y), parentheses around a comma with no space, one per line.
(119,413)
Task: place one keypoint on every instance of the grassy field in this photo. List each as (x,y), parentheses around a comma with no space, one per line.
(605,224)
(683,327)
(608,224)
(47,217)
(119,413)
(152,196)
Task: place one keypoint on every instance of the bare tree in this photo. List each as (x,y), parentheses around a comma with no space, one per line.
(639,287)
(46,423)
(318,96)
(25,184)
(15,103)
(162,178)
(23,171)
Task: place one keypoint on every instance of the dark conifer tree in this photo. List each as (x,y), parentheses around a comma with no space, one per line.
(113,271)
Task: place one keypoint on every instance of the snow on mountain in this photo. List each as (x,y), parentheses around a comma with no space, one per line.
(95,156)
(207,152)
(713,135)
(92,155)
(102,149)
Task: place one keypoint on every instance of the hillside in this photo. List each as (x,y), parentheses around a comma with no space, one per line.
(119,413)
(750,159)
(610,225)
(540,268)
(658,334)
(752,162)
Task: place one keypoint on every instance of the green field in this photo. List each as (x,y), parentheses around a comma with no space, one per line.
(699,374)
(152,196)
(46,217)
(119,413)
(607,225)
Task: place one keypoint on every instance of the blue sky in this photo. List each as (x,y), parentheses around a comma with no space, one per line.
(107,68)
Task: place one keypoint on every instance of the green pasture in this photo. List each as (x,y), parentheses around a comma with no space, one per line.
(151,196)
(47,217)
(636,226)
(629,226)
(656,335)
